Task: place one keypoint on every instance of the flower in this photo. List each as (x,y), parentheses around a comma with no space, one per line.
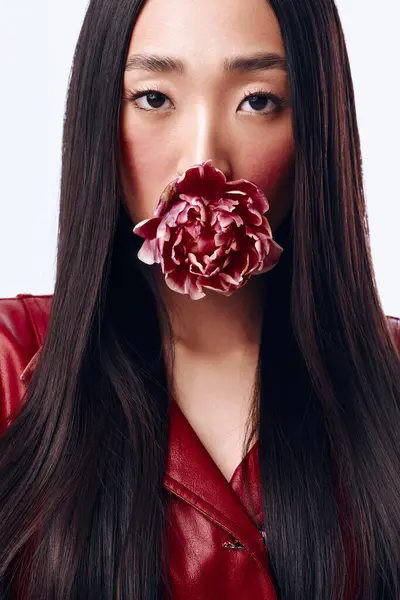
(208,233)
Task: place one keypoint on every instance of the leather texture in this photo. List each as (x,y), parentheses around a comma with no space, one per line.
(215,549)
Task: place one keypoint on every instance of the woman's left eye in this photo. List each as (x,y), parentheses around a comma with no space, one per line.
(258,99)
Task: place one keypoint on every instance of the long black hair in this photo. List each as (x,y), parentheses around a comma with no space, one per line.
(81,466)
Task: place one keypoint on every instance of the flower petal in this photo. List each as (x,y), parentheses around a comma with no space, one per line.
(272,258)
(147,228)
(167,199)
(254,193)
(148,253)
(180,282)
(202,180)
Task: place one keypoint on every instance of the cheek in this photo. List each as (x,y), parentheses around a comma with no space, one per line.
(142,167)
(272,170)
(272,164)
(134,162)
(127,158)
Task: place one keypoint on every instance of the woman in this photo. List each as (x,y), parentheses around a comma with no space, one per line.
(121,474)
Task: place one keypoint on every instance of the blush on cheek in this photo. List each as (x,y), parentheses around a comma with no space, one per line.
(142,158)
(126,169)
(274,176)
(271,174)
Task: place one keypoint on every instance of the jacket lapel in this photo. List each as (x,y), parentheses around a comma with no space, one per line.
(192,475)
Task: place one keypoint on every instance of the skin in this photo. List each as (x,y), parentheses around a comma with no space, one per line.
(198,116)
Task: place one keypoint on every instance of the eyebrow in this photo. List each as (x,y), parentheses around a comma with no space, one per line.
(155,63)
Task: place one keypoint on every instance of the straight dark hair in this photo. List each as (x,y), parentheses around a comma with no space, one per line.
(83,511)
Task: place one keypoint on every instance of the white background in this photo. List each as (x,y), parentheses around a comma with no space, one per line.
(37,40)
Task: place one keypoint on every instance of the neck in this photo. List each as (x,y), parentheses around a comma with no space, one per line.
(216,324)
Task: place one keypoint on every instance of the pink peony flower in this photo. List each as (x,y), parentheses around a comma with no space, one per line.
(208,233)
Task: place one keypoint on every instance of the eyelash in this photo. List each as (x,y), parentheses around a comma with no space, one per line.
(134,95)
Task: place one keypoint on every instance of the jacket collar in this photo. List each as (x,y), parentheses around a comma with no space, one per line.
(192,475)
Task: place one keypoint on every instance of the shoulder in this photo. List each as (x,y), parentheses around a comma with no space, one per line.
(23,323)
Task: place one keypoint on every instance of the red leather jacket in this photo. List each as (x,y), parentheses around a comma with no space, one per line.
(216,551)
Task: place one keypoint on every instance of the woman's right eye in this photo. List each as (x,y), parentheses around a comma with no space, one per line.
(154,98)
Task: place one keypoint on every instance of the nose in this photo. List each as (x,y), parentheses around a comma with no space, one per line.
(206,143)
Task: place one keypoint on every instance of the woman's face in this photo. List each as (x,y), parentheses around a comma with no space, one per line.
(199,111)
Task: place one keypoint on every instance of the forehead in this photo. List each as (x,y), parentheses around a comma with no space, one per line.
(206,32)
